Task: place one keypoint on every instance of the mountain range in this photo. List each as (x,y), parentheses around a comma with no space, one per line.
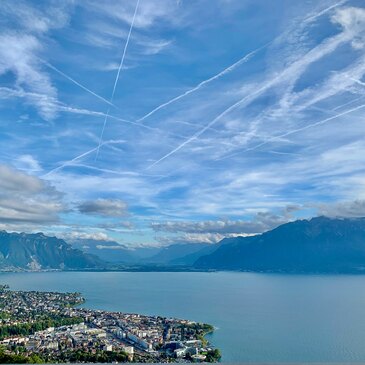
(114,252)
(317,245)
(108,251)
(21,251)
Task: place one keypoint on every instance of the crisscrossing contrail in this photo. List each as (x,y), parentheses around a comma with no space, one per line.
(117,78)
(230,68)
(54,68)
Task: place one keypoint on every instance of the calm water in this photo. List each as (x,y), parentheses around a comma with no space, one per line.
(260,317)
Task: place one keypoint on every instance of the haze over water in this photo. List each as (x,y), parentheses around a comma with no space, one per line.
(259,317)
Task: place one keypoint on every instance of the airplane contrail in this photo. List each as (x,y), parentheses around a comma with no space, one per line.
(295,65)
(293,131)
(69,163)
(70,109)
(216,119)
(54,68)
(231,67)
(348,103)
(117,78)
(201,84)
(228,69)
(107,115)
(324,11)
(125,49)
(357,81)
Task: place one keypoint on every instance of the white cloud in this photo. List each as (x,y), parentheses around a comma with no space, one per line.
(261,222)
(148,14)
(18,55)
(343,209)
(27,200)
(106,247)
(284,79)
(80,235)
(16,181)
(352,20)
(202,238)
(22,42)
(27,163)
(153,47)
(112,20)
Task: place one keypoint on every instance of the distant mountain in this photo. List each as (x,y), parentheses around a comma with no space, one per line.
(180,254)
(145,252)
(190,258)
(317,245)
(109,251)
(173,255)
(21,251)
(114,252)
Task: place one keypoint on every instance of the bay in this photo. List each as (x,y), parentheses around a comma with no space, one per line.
(259,317)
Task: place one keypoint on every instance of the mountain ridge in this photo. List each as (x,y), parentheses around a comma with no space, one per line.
(36,251)
(320,244)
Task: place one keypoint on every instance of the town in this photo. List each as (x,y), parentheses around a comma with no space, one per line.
(52,327)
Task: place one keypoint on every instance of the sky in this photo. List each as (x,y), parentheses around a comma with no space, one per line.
(154,122)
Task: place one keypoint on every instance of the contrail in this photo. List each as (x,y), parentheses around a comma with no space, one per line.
(69,163)
(197,134)
(228,69)
(324,11)
(231,67)
(125,49)
(216,119)
(271,139)
(348,103)
(357,81)
(69,109)
(200,85)
(115,172)
(107,115)
(54,68)
(117,77)
(228,110)
(312,55)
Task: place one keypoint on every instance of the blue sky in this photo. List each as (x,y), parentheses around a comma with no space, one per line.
(227,117)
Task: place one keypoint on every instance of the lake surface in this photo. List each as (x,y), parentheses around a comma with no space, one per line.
(259,317)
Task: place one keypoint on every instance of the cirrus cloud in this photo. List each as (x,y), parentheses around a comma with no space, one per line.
(22,43)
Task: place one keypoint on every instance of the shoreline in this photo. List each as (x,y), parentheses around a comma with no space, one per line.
(187,270)
(162,338)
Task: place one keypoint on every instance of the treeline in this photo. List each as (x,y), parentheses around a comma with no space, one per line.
(97,357)
(64,357)
(210,356)
(199,327)
(199,330)
(213,356)
(6,358)
(26,329)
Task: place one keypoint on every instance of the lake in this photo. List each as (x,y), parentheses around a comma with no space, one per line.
(259,317)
